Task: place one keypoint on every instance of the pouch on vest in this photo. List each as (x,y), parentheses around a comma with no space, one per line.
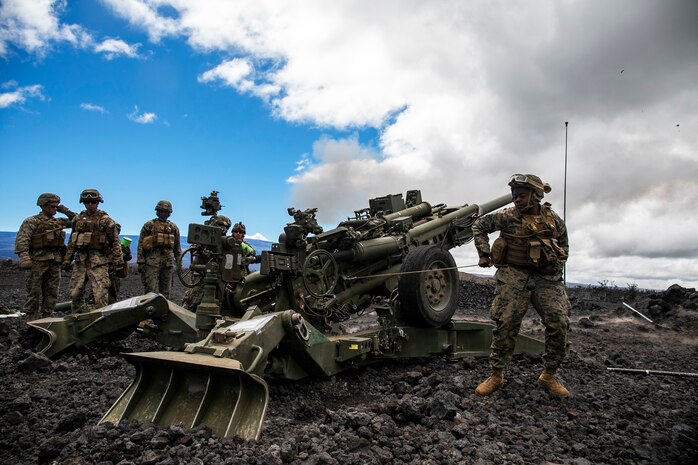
(147,243)
(83,239)
(164,240)
(499,251)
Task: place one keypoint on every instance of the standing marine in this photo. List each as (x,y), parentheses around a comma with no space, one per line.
(530,254)
(94,245)
(40,244)
(158,250)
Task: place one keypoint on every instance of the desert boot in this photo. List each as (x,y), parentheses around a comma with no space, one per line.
(549,382)
(492,383)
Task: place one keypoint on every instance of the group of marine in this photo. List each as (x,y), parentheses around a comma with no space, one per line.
(529,254)
(95,255)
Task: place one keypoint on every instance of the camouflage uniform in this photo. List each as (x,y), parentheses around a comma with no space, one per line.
(521,283)
(41,240)
(249,254)
(117,274)
(158,250)
(94,244)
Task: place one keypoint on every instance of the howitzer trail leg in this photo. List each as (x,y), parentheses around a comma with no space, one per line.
(117,321)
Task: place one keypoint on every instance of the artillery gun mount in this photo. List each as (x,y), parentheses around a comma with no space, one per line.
(285,320)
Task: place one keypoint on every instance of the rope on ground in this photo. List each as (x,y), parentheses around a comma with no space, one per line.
(404,273)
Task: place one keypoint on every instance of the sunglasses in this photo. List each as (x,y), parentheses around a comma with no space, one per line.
(53,206)
(91,202)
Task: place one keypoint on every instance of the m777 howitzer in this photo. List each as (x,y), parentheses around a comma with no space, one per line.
(285,320)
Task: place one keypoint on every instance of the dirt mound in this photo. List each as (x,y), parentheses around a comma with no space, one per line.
(417,412)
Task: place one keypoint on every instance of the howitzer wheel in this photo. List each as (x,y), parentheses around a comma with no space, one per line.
(320,273)
(428,298)
(187,277)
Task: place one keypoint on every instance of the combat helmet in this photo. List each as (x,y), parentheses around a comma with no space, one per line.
(91,194)
(164,205)
(222,222)
(47,198)
(240,227)
(530,181)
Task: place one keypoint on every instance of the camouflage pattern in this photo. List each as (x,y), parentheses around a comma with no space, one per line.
(116,274)
(42,288)
(517,286)
(92,264)
(47,197)
(91,194)
(193,297)
(158,261)
(44,275)
(165,205)
(510,221)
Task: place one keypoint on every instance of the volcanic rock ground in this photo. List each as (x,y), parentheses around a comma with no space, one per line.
(411,412)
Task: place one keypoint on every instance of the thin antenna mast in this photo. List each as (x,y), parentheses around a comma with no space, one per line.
(564,205)
(564,192)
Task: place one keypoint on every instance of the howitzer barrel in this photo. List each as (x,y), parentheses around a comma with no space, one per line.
(425,232)
(416,212)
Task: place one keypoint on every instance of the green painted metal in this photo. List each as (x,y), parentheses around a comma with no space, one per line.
(176,388)
(284,320)
(175,326)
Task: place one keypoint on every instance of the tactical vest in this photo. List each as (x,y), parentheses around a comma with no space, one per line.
(48,234)
(162,236)
(533,244)
(88,233)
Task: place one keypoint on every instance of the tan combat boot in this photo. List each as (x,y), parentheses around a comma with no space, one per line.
(492,383)
(549,382)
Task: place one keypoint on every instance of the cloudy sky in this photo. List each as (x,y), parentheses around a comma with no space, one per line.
(326,104)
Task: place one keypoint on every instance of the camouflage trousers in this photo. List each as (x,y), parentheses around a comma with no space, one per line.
(193,297)
(114,285)
(97,276)
(158,278)
(515,290)
(42,288)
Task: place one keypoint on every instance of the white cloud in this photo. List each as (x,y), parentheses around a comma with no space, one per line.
(146,15)
(20,95)
(113,48)
(259,237)
(93,107)
(142,118)
(237,73)
(463,94)
(35,25)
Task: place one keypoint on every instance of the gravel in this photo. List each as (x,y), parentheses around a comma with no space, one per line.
(421,411)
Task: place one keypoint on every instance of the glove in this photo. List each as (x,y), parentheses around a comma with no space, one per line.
(62,209)
(141,268)
(25,261)
(485,262)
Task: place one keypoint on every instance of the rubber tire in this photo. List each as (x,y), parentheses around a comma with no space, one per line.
(415,290)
